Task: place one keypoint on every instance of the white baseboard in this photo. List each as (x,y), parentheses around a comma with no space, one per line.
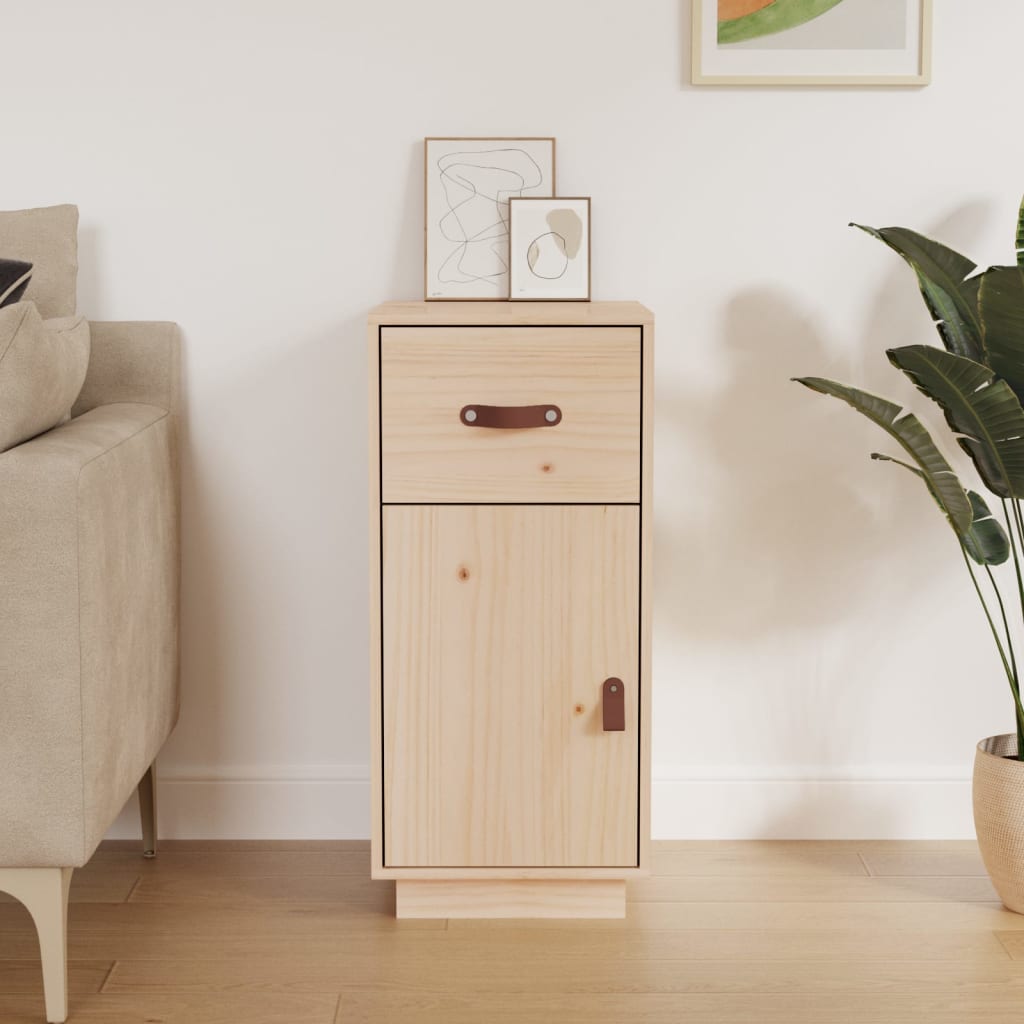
(333,802)
(289,802)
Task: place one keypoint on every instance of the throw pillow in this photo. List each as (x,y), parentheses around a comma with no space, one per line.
(14,278)
(48,239)
(42,369)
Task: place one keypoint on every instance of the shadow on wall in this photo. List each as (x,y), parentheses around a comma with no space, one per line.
(785,529)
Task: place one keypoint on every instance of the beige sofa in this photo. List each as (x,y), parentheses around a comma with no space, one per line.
(89,556)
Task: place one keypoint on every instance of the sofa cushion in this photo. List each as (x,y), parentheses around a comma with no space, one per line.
(48,239)
(14,278)
(42,369)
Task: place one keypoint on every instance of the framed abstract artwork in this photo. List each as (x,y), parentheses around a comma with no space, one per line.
(467,187)
(811,42)
(549,243)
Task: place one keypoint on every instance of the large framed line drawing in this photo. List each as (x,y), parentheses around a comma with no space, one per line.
(467,185)
(811,42)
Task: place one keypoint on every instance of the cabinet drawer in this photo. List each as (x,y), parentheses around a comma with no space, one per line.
(428,375)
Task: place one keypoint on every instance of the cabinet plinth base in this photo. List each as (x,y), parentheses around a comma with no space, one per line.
(485,898)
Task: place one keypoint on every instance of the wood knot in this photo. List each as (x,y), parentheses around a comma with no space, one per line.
(547,468)
(579,709)
(463,573)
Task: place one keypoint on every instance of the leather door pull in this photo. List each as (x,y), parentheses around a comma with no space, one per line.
(511,417)
(613,705)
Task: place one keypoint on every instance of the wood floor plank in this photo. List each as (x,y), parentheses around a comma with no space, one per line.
(1013,943)
(264,1008)
(25,977)
(168,931)
(787,916)
(239,845)
(777,933)
(113,887)
(913,863)
(804,847)
(815,888)
(240,891)
(652,1008)
(465,968)
(234,863)
(761,859)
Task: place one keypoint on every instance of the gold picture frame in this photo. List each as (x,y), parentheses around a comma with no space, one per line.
(912,66)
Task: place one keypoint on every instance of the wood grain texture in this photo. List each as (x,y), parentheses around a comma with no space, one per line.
(498,898)
(925,862)
(511,314)
(759,859)
(264,1008)
(646,596)
(660,1008)
(500,626)
(428,374)
(95,887)
(22,977)
(375,563)
(108,871)
(246,943)
(766,915)
(546,969)
(596,361)
(808,889)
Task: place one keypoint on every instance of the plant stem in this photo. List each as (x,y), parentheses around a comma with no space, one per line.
(1019,519)
(1015,678)
(999,646)
(1014,533)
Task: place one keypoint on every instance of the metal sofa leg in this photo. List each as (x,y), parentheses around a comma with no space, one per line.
(147,808)
(44,891)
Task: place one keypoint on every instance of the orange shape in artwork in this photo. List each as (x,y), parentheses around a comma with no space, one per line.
(729,9)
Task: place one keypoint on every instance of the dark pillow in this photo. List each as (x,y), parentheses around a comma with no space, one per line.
(14,278)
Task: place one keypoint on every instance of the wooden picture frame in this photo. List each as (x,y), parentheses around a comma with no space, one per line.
(744,62)
(467,183)
(553,233)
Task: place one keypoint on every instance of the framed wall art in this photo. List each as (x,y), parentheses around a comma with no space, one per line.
(550,248)
(467,187)
(811,42)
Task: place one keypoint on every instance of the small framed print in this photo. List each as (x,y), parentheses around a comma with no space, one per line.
(812,42)
(549,241)
(467,187)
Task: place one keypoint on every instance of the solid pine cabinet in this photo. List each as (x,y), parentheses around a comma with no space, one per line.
(510,576)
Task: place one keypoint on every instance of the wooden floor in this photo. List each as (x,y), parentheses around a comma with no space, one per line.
(770,933)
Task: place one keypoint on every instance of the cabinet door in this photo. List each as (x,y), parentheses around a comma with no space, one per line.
(500,626)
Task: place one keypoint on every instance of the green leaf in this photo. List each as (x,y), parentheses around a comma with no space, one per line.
(1001,304)
(986,540)
(980,408)
(950,293)
(916,441)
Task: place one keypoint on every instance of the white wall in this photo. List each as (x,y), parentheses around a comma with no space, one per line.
(253,171)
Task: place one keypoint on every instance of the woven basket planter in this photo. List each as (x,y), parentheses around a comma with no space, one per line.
(999,816)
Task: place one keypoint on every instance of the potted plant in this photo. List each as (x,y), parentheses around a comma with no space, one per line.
(977,378)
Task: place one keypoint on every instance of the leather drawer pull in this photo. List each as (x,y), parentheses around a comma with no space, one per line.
(613,705)
(511,417)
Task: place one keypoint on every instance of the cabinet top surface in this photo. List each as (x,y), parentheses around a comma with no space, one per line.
(513,313)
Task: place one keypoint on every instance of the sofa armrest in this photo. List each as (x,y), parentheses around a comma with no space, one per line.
(132,361)
(88,626)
